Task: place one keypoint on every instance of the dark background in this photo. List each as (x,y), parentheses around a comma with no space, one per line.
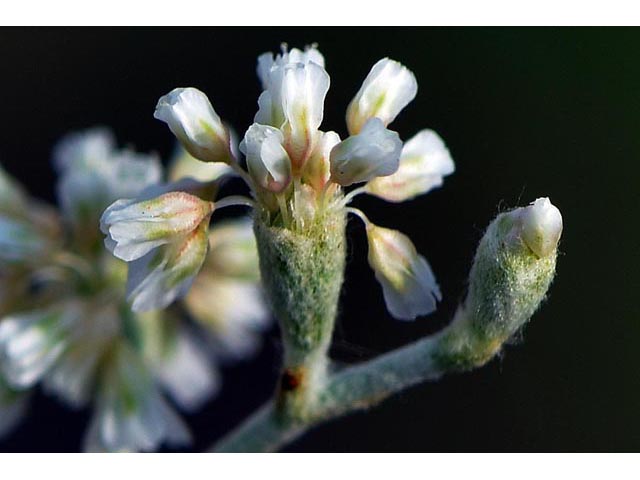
(525,113)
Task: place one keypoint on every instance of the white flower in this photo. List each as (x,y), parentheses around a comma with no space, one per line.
(541,226)
(93,174)
(388,88)
(267,160)
(195,123)
(29,231)
(134,228)
(227,297)
(374,152)
(131,415)
(166,273)
(424,161)
(13,406)
(20,241)
(266,61)
(31,342)
(408,284)
(185,370)
(73,375)
(294,103)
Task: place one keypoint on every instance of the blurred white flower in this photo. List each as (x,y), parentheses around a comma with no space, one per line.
(226,297)
(424,162)
(72,377)
(185,370)
(32,341)
(388,88)
(131,415)
(93,173)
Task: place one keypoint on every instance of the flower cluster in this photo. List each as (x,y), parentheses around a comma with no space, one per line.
(296,172)
(65,318)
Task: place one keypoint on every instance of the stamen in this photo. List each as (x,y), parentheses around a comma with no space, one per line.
(360,214)
(234,200)
(352,194)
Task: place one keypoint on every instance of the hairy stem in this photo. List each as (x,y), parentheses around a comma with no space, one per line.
(366,385)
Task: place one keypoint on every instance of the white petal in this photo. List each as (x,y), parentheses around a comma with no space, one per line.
(158,278)
(424,161)
(19,241)
(72,378)
(541,226)
(131,415)
(233,311)
(186,371)
(84,150)
(267,160)
(408,284)
(93,174)
(31,342)
(388,88)
(195,123)
(137,227)
(266,61)
(317,169)
(374,152)
(233,250)
(304,89)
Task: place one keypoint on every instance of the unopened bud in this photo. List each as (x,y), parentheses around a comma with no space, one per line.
(541,226)
(512,271)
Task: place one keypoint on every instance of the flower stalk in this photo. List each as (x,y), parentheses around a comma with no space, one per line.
(508,282)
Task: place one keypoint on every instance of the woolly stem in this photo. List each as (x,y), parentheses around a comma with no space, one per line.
(365,385)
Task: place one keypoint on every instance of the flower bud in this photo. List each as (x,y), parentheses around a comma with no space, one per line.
(294,102)
(266,61)
(134,228)
(507,283)
(424,162)
(195,123)
(374,152)
(541,226)
(408,284)
(267,160)
(388,88)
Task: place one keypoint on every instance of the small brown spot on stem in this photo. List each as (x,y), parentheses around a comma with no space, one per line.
(291,380)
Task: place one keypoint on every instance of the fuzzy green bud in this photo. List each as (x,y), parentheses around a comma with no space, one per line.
(512,271)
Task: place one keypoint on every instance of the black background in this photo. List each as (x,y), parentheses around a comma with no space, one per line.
(525,113)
